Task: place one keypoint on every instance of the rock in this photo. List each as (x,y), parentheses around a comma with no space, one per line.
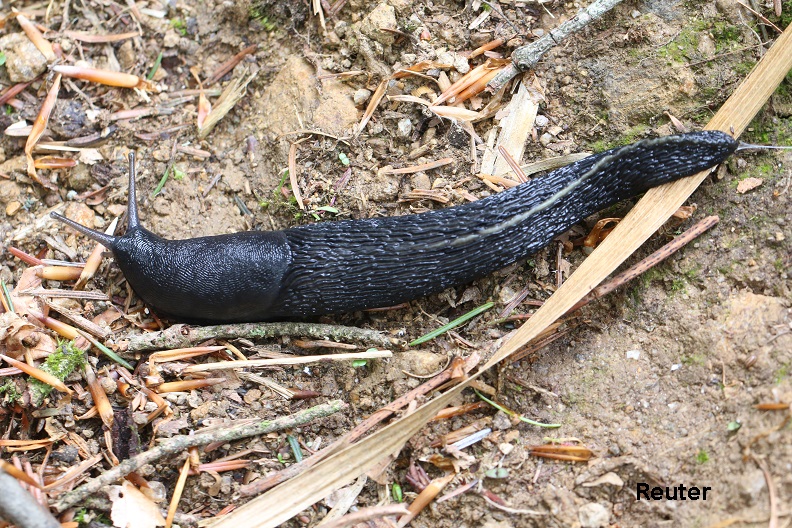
(9,191)
(80,213)
(361,96)
(751,485)
(16,167)
(501,421)
(404,127)
(294,92)
(420,180)
(69,119)
(79,177)
(593,515)
(13,208)
(418,362)
(505,448)
(633,354)
(24,62)
(383,16)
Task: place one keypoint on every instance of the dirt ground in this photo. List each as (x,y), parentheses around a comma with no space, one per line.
(660,379)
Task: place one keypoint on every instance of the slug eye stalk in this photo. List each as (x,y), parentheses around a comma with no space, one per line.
(133,220)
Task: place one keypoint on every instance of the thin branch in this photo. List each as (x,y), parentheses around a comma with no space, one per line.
(184,336)
(525,57)
(179,444)
(19,506)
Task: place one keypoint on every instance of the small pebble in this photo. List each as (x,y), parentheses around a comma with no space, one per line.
(404,127)
(541,121)
(633,354)
(13,208)
(593,515)
(506,448)
(545,139)
(676,366)
(361,96)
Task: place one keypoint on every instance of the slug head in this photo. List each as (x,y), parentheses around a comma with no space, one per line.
(111,242)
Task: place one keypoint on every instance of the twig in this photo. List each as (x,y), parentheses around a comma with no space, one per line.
(771,490)
(652,260)
(367,514)
(457,368)
(19,506)
(177,444)
(525,57)
(184,336)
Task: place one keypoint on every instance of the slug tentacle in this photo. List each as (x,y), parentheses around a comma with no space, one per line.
(333,267)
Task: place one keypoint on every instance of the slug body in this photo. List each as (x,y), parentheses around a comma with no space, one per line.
(334,267)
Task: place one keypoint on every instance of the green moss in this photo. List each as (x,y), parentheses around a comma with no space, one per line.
(60,364)
(10,392)
(694,359)
(726,35)
(781,374)
(702,457)
(678,285)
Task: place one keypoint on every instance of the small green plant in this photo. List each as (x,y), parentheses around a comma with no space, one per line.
(344,159)
(358,363)
(702,457)
(179,25)
(66,358)
(2,58)
(396,492)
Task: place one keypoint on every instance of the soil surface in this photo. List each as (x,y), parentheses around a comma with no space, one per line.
(660,379)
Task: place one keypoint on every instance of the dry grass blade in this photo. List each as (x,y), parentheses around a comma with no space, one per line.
(366,514)
(491,45)
(59,273)
(283,502)
(35,36)
(424,498)
(228,99)
(469,78)
(18,474)
(453,112)
(188,385)
(106,77)
(293,176)
(297,360)
(35,372)
(54,162)
(229,65)
(417,168)
(39,126)
(182,353)
(476,87)
(99,396)
(90,38)
(562,452)
(177,493)
(379,93)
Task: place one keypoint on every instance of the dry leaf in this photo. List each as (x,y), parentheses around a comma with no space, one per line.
(748,184)
(132,509)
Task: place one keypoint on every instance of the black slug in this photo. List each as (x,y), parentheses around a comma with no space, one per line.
(334,267)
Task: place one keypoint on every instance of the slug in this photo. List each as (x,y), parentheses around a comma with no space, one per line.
(335,267)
